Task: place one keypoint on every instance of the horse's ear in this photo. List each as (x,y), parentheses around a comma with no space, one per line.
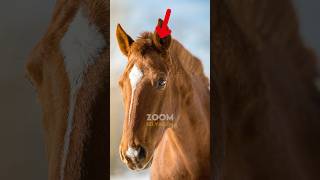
(124,40)
(161,43)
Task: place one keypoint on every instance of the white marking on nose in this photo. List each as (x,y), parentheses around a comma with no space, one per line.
(135,76)
(132,153)
(81,45)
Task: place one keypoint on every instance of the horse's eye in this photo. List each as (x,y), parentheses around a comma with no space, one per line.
(161,83)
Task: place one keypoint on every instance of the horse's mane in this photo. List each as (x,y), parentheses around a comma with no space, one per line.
(191,64)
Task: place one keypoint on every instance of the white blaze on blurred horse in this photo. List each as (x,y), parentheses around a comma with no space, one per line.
(69,69)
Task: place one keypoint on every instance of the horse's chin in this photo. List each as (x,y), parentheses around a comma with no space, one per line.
(149,163)
(145,166)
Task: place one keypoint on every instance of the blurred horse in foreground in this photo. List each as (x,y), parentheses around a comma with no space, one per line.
(69,69)
(266,106)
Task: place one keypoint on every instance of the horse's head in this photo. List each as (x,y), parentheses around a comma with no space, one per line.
(149,91)
(69,70)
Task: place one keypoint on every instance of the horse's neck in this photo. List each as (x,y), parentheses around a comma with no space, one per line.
(193,122)
(190,64)
(186,146)
(181,143)
(194,105)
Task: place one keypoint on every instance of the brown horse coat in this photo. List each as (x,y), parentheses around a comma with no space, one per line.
(69,68)
(266,107)
(181,151)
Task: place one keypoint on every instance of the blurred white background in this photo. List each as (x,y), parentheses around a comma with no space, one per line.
(190,24)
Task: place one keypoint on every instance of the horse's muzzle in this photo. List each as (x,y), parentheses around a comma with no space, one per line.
(135,158)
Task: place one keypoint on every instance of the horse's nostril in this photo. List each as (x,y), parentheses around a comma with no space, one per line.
(142,153)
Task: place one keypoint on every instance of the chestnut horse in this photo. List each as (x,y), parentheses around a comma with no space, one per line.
(266,106)
(162,77)
(69,68)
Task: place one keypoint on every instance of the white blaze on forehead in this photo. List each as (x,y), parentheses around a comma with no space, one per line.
(135,76)
(81,45)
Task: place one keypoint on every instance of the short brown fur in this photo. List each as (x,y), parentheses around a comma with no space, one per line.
(266,105)
(88,156)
